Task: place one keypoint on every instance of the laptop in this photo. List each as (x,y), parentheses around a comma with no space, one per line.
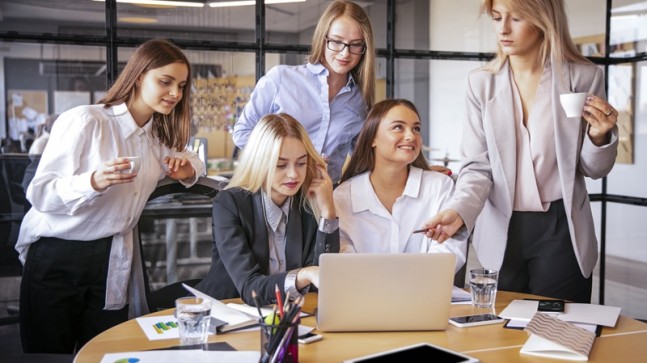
(384,292)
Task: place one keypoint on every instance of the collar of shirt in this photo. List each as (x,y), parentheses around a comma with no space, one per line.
(129,127)
(362,182)
(320,69)
(273,213)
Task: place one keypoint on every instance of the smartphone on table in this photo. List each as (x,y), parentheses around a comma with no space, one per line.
(309,337)
(475,320)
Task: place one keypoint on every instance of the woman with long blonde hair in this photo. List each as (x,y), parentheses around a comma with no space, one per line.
(274,219)
(522,186)
(330,94)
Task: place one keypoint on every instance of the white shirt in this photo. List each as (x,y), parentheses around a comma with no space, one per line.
(366,226)
(64,204)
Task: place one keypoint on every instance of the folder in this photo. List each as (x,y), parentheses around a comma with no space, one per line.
(554,338)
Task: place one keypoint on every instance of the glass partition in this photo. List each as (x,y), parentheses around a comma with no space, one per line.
(628,28)
(204,22)
(53,17)
(46,79)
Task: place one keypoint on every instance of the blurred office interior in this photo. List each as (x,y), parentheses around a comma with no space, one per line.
(57,54)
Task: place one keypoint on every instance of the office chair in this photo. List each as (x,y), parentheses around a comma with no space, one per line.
(13,206)
(174,229)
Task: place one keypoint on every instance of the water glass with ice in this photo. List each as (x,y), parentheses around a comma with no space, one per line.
(483,284)
(193,318)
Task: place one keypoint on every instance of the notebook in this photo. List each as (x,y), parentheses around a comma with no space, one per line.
(384,292)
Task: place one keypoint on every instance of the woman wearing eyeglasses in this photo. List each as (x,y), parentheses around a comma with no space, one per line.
(330,94)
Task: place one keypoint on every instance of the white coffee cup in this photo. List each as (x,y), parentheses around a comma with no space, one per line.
(135,163)
(573,103)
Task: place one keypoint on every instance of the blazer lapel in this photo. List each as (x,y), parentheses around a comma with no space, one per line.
(294,236)
(567,132)
(260,245)
(501,116)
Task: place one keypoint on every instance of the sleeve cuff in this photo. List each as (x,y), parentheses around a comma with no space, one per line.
(328,225)
(290,285)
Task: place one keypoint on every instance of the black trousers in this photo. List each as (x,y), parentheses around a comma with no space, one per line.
(539,257)
(62,295)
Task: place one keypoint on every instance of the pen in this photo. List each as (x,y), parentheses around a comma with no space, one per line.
(423,230)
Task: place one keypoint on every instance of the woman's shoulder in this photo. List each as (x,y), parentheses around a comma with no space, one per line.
(235,192)
(82,115)
(284,69)
(585,69)
(431,177)
(345,187)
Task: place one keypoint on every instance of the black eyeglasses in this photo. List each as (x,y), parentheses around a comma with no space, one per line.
(337,46)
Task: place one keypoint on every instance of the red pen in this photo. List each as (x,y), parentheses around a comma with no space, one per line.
(279,299)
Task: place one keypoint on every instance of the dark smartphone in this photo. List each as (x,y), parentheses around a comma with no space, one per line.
(554,306)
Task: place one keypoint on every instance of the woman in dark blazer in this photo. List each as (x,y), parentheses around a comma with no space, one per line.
(274,219)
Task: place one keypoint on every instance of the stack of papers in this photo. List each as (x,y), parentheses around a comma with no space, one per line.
(233,318)
(553,338)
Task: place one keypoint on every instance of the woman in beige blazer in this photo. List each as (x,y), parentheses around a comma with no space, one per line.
(521,187)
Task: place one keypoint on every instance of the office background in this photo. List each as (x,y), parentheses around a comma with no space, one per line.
(59,53)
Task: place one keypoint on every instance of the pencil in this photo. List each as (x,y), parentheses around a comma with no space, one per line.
(279,299)
(258,307)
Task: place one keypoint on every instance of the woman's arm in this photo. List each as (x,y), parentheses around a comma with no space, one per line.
(259,105)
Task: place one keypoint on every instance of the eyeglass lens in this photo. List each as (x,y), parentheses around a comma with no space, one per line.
(338,46)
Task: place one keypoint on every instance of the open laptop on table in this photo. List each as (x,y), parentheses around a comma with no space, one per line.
(384,292)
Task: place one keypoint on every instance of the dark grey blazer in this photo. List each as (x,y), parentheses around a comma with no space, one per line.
(240,260)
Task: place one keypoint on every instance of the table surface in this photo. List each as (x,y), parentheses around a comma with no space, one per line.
(626,342)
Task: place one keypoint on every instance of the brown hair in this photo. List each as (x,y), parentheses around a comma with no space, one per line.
(364,71)
(173,130)
(363,158)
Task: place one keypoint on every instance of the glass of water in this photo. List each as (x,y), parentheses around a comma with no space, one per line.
(193,317)
(483,284)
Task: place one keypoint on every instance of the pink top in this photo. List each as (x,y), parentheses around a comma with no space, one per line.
(537,182)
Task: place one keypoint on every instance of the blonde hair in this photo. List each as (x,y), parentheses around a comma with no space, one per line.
(364,71)
(258,160)
(174,129)
(549,18)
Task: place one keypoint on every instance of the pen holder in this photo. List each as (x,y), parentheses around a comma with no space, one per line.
(279,342)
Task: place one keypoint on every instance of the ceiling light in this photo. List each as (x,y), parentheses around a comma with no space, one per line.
(161,3)
(136,20)
(222,4)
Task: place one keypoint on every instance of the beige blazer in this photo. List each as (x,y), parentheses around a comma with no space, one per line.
(485,187)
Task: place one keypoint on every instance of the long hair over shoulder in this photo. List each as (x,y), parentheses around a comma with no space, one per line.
(364,71)
(549,17)
(363,158)
(173,129)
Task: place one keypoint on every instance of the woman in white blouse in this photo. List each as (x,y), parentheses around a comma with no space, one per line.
(80,275)
(388,190)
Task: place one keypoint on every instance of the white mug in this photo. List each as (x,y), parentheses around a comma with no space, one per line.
(135,163)
(573,103)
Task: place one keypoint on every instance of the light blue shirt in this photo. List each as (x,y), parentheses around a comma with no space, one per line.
(302,92)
